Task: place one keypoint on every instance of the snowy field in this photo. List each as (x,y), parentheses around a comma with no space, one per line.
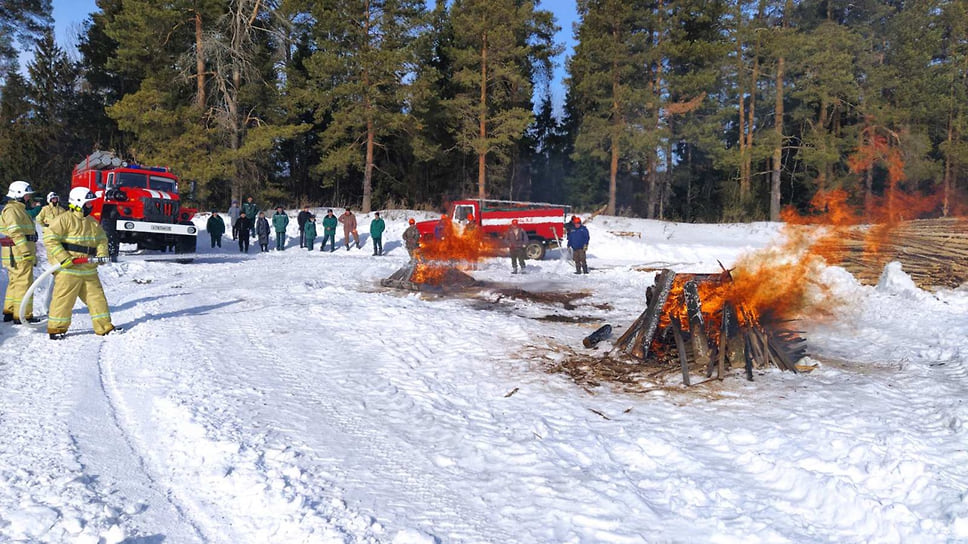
(286,397)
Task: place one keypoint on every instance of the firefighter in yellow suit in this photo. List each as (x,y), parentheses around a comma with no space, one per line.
(51,210)
(19,257)
(71,235)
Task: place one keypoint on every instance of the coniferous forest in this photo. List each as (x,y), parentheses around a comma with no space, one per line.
(688,110)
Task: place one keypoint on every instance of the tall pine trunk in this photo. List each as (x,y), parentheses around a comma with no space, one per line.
(199,61)
(370,131)
(482,129)
(614,144)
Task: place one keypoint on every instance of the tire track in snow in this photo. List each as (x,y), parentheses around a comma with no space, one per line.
(334,390)
(109,388)
(55,426)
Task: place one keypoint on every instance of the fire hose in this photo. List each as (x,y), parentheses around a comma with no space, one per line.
(29,294)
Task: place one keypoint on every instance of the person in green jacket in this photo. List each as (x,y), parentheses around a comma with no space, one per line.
(279,223)
(377,226)
(309,231)
(216,228)
(329,231)
(251,211)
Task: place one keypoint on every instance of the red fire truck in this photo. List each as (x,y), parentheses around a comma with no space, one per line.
(137,204)
(544,223)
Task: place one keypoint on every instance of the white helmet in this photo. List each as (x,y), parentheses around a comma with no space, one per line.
(51,196)
(19,189)
(79,196)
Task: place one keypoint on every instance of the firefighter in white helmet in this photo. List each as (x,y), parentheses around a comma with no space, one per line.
(19,256)
(70,235)
(51,210)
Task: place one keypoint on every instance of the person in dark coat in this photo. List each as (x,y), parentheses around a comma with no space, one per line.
(233,213)
(251,210)
(301,219)
(243,227)
(329,231)
(216,228)
(411,238)
(578,242)
(377,226)
(440,230)
(309,229)
(262,230)
(516,240)
(279,223)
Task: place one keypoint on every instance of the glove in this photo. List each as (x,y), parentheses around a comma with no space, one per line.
(67,263)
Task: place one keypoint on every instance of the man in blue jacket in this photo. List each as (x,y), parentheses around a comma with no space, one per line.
(578,242)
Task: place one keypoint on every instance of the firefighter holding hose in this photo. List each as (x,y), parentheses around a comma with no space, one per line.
(73,236)
(20,255)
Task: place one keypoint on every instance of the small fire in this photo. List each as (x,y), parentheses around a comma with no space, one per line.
(460,248)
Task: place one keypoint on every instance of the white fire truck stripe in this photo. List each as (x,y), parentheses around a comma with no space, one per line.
(556,219)
(153,193)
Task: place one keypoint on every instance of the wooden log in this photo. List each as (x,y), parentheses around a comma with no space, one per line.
(594,338)
(681,348)
(637,340)
(723,339)
(697,326)
(748,355)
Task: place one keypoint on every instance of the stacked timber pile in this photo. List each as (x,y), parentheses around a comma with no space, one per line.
(676,332)
(445,278)
(934,252)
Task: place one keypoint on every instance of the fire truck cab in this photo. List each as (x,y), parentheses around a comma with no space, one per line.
(137,204)
(544,223)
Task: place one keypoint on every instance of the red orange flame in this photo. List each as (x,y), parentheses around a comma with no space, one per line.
(460,248)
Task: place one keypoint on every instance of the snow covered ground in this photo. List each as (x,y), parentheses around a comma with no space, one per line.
(287,397)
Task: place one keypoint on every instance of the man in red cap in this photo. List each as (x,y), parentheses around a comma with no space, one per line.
(517,240)
(411,238)
(578,242)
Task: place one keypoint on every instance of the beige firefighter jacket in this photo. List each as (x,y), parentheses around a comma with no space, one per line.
(77,233)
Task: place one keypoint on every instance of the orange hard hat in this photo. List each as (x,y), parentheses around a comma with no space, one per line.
(412,221)
(470,217)
(575,219)
(514,221)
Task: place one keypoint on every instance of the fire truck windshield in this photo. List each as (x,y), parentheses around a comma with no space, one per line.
(143,181)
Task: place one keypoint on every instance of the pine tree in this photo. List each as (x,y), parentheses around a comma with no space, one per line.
(364,51)
(499,46)
(23,21)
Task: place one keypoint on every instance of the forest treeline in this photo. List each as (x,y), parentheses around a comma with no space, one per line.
(691,110)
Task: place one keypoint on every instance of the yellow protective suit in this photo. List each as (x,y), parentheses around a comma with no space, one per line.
(48,213)
(19,258)
(81,280)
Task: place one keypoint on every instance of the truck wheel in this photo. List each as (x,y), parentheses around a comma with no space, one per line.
(185,244)
(535,251)
(109,218)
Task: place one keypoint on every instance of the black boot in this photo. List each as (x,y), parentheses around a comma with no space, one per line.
(7,318)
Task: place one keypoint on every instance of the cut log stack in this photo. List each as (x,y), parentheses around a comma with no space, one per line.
(934,252)
(451,279)
(660,338)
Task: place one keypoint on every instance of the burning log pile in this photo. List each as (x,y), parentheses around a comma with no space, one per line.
(691,325)
(934,252)
(437,262)
(419,276)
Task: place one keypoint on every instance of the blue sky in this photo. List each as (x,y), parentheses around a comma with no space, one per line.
(70,14)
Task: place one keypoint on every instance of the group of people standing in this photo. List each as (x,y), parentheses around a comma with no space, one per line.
(71,237)
(515,238)
(243,228)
